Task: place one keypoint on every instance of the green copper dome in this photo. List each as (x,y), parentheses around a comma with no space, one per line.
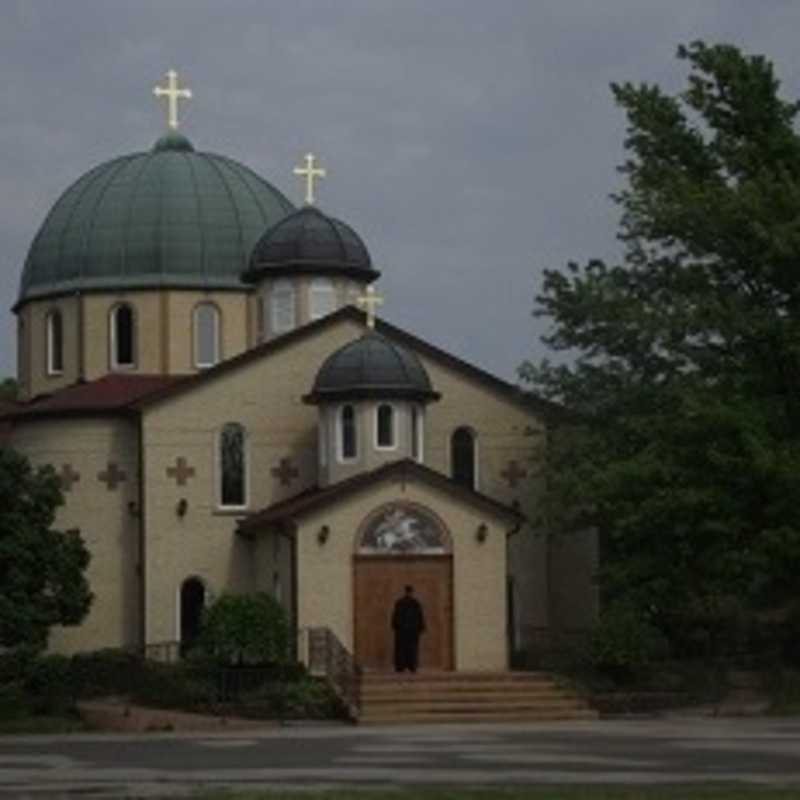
(168,217)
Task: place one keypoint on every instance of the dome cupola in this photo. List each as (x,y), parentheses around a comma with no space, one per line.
(371,395)
(372,367)
(170,217)
(310,242)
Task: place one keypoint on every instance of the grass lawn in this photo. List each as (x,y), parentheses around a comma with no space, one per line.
(554,793)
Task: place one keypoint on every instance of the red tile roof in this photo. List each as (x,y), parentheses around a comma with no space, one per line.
(109,394)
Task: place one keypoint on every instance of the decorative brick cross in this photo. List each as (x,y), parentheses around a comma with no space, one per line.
(181,471)
(67,477)
(112,476)
(512,473)
(285,472)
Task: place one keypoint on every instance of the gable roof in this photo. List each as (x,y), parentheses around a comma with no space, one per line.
(317,497)
(111,394)
(508,390)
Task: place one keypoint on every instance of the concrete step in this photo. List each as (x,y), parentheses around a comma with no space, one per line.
(428,717)
(467,697)
(462,688)
(374,678)
(446,706)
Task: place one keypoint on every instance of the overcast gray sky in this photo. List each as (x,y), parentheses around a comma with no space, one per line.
(472,143)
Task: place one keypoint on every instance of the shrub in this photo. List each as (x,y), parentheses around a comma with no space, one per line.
(105,672)
(623,644)
(245,629)
(50,685)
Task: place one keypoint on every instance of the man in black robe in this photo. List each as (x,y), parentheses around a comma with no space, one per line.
(408,622)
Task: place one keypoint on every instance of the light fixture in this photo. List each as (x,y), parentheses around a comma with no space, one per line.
(481,533)
(182,507)
(323,533)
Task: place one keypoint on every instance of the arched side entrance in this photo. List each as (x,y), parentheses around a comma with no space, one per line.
(192,603)
(398,545)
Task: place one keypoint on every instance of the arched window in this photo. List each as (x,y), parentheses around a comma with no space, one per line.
(323,298)
(206,335)
(232,466)
(348,439)
(463,462)
(385,438)
(123,337)
(282,307)
(55,343)
(193,601)
(416,434)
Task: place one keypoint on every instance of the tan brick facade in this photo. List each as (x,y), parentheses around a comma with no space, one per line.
(183,532)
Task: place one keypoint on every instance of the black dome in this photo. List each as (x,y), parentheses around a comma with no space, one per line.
(310,241)
(372,366)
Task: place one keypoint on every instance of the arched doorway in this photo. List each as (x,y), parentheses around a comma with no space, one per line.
(402,544)
(193,601)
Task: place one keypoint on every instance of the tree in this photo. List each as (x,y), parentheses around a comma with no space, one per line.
(682,363)
(42,580)
(246,629)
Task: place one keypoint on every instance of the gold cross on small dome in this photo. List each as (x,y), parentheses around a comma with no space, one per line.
(369,301)
(310,173)
(173,94)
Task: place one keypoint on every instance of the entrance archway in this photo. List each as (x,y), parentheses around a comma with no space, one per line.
(193,601)
(398,545)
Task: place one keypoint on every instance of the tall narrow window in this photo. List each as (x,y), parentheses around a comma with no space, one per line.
(463,468)
(55,343)
(232,466)
(384,427)
(206,335)
(122,337)
(282,311)
(323,298)
(322,438)
(348,440)
(193,600)
(416,433)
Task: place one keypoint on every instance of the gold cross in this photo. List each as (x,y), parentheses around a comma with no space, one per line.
(173,94)
(369,302)
(310,173)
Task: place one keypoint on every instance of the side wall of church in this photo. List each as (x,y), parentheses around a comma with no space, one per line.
(479,570)
(164,339)
(265,397)
(103,516)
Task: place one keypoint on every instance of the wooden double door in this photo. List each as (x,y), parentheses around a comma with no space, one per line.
(378,583)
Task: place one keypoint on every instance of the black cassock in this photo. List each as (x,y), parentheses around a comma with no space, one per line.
(408,622)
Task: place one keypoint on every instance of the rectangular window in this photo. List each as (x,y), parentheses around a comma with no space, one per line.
(416,434)
(348,449)
(232,466)
(384,427)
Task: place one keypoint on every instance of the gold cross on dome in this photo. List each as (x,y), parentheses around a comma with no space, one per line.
(310,173)
(369,301)
(173,94)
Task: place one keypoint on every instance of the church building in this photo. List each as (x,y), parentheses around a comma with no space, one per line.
(201,362)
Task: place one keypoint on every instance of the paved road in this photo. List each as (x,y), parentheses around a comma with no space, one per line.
(613,752)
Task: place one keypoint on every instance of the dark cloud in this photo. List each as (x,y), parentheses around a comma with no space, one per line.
(472,144)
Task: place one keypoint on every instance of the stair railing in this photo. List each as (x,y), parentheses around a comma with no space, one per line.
(324,655)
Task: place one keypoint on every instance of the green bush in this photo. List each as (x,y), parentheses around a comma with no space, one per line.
(105,672)
(50,685)
(245,629)
(177,686)
(624,645)
(14,702)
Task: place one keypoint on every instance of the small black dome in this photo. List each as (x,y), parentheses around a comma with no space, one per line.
(310,241)
(372,366)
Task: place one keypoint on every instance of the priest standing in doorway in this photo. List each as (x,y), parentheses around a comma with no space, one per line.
(408,623)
